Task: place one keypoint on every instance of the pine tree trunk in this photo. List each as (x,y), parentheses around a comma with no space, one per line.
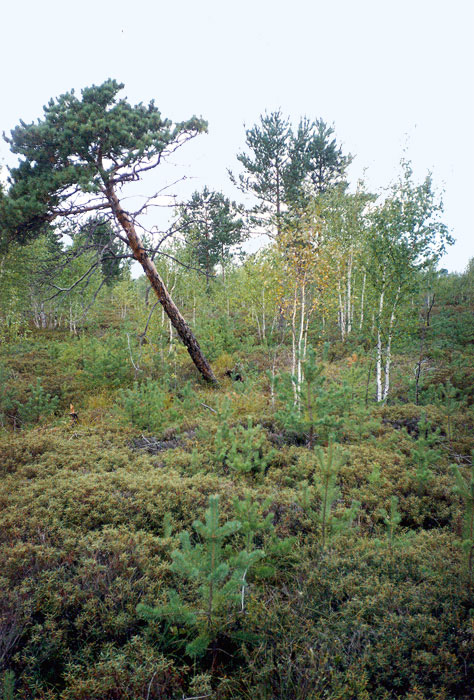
(172,311)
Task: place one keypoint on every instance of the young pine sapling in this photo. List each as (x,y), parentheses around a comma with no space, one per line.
(219,582)
(465,488)
(318,501)
(423,454)
(392,520)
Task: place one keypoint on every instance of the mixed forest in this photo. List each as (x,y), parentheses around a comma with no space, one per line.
(228,474)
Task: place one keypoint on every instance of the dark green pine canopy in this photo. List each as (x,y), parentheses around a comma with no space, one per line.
(80,146)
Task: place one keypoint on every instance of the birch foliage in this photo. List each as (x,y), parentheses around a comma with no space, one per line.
(406,235)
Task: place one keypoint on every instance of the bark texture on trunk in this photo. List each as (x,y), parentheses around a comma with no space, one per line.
(172,311)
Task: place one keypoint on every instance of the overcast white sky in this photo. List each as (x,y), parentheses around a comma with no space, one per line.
(389,75)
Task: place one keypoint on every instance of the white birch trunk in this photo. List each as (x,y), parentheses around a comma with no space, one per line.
(170,349)
(342,320)
(305,348)
(301,336)
(362,299)
(349,296)
(388,351)
(293,346)
(43,318)
(259,333)
(378,372)
(274,322)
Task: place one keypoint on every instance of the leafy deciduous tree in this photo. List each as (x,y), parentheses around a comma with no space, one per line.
(406,236)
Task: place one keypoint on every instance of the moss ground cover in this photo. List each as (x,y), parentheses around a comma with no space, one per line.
(92,523)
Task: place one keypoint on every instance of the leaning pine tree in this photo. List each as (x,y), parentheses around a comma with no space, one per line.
(76,160)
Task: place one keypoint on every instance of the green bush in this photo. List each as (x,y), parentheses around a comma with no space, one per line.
(105,363)
(38,405)
(147,406)
(7,395)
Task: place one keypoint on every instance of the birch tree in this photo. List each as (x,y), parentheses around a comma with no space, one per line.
(345,227)
(305,274)
(406,236)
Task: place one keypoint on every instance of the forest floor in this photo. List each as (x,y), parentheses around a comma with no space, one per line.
(360,588)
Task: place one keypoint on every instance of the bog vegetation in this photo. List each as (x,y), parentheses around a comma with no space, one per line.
(301,524)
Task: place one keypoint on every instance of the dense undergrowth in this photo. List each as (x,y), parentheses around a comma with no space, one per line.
(331,566)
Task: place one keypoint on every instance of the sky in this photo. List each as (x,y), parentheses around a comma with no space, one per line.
(395,79)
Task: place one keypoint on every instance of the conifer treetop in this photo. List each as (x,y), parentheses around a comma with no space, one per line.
(81,146)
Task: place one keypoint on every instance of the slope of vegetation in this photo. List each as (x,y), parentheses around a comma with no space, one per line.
(342,571)
(303,527)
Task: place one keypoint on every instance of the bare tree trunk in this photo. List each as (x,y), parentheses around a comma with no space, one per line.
(293,346)
(388,355)
(172,311)
(342,318)
(379,349)
(301,335)
(349,297)
(362,302)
